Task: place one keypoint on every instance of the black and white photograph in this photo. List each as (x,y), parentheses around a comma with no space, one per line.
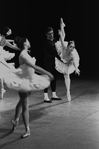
(49,74)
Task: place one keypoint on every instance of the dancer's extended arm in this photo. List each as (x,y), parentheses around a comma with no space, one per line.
(77,71)
(9,40)
(12,46)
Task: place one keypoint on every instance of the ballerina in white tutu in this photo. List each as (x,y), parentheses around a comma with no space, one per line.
(7,42)
(6,55)
(25,80)
(69,56)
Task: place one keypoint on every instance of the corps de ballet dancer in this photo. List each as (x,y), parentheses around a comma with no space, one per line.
(5,55)
(69,56)
(25,80)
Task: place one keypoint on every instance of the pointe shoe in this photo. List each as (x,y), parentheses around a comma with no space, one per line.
(62,23)
(27,134)
(68,97)
(15,124)
(2,93)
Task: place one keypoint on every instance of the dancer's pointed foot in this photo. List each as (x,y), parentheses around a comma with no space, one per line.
(27,134)
(15,124)
(68,97)
(2,93)
(62,23)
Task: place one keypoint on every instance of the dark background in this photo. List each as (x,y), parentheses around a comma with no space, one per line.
(30,19)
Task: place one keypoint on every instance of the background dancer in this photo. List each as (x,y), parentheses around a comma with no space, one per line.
(6,55)
(69,56)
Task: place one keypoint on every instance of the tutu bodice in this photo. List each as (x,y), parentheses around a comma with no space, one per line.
(68,58)
(26,71)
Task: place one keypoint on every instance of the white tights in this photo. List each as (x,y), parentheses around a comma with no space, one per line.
(67,84)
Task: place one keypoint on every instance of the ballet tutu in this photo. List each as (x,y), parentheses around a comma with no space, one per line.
(6,54)
(40,82)
(63,67)
(23,79)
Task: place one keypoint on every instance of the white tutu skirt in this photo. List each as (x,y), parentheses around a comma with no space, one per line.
(5,71)
(24,79)
(6,54)
(63,68)
(39,82)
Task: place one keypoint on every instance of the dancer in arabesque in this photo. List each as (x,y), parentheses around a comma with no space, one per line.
(69,56)
(25,80)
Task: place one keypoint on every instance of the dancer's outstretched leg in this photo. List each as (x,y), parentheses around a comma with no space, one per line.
(67,84)
(62,25)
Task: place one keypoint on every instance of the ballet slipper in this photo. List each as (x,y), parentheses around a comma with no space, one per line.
(15,124)
(27,134)
(62,23)
(68,97)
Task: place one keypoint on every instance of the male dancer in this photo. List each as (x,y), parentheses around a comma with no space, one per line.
(49,62)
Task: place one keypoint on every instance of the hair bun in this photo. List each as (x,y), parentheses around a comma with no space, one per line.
(20,42)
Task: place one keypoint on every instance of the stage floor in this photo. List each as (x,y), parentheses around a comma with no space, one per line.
(56,125)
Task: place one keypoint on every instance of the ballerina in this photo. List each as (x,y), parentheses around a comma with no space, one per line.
(69,56)
(25,80)
(6,55)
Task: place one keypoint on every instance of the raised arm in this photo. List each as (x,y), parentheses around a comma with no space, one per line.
(12,46)
(9,40)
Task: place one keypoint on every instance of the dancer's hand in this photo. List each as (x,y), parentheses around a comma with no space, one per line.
(34,60)
(51,76)
(77,71)
(18,70)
